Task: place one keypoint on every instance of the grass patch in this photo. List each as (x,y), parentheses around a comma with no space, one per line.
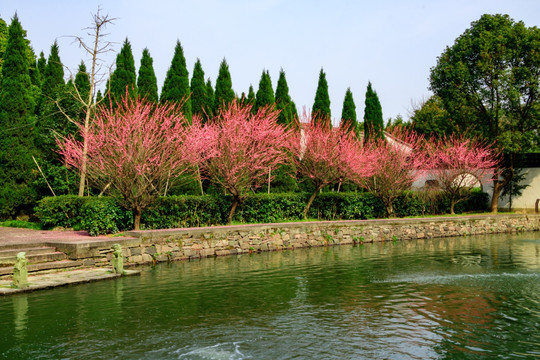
(21,224)
(277,221)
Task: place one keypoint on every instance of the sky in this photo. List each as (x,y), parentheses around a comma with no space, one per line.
(390,43)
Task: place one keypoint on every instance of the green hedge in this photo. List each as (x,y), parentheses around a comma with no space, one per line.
(102,215)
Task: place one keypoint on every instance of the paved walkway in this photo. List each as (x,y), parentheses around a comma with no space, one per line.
(17,236)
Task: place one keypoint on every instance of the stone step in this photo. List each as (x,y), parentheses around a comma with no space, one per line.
(53,265)
(32,259)
(28,250)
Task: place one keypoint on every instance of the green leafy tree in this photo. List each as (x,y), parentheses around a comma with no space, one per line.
(199,99)
(348,113)
(224,93)
(283,101)
(124,76)
(265,93)
(176,86)
(373,117)
(321,106)
(431,119)
(16,125)
(147,82)
(488,82)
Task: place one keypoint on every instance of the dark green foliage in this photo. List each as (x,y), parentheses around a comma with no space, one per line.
(251,96)
(40,67)
(199,99)
(3,41)
(265,94)
(124,76)
(373,117)
(224,93)
(176,86)
(321,106)
(283,101)
(16,125)
(100,215)
(50,120)
(431,119)
(348,114)
(97,215)
(82,82)
(488,82)
(147,82)
(209,99)
(186,211)
(99,97)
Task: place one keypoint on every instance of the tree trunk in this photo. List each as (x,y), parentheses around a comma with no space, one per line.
(137,219)
(452,205)
(497,189)
(389,209)
(235,203)
(310,201)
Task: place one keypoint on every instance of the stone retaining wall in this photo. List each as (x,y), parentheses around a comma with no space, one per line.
(181,244)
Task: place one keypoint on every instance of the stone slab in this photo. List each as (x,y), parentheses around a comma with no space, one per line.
(63,278)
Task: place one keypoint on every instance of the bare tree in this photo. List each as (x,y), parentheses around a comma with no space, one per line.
(95,47)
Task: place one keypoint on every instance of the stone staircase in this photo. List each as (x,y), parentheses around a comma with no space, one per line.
(40,258)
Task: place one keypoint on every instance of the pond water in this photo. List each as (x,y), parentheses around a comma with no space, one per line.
(454,298)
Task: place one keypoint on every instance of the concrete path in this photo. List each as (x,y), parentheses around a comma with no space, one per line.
(17,236)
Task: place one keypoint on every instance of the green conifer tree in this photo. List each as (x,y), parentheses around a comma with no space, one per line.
(265,94)
(321,106)
(3,41)
(199,99)
(224,93)
(40,68)
(209,99)
(348,113)
(147,82)
(16,125)
(99,97)
(251,96)
(50,120)
(124,76)
(176,86)
(283,101)
(373,117)
(82,83)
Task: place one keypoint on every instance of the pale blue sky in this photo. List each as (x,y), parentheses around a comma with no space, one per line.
(391,43)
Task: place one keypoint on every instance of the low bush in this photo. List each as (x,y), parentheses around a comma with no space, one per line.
(102,215)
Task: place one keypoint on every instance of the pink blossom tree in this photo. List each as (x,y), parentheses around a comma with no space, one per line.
(397,161)
(244,148)
(458,164)
(328,155)
(136,149)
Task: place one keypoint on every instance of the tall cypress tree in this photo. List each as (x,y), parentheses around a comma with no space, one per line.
(199,99)
(348,113)
(50,120)
(40,68)
(147,82)
(224,93)
(283,101)
(265,94)
(373,117)
(209,99)
(251,96)
(53,78)
(124,76)
(82,83)
(16,125)
(176,86)
(321,106)
(3,41)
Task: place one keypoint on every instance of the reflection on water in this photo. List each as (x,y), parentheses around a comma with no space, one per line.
(471,297)
(20,312)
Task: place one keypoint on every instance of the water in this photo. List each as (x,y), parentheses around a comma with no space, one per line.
(466,298)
